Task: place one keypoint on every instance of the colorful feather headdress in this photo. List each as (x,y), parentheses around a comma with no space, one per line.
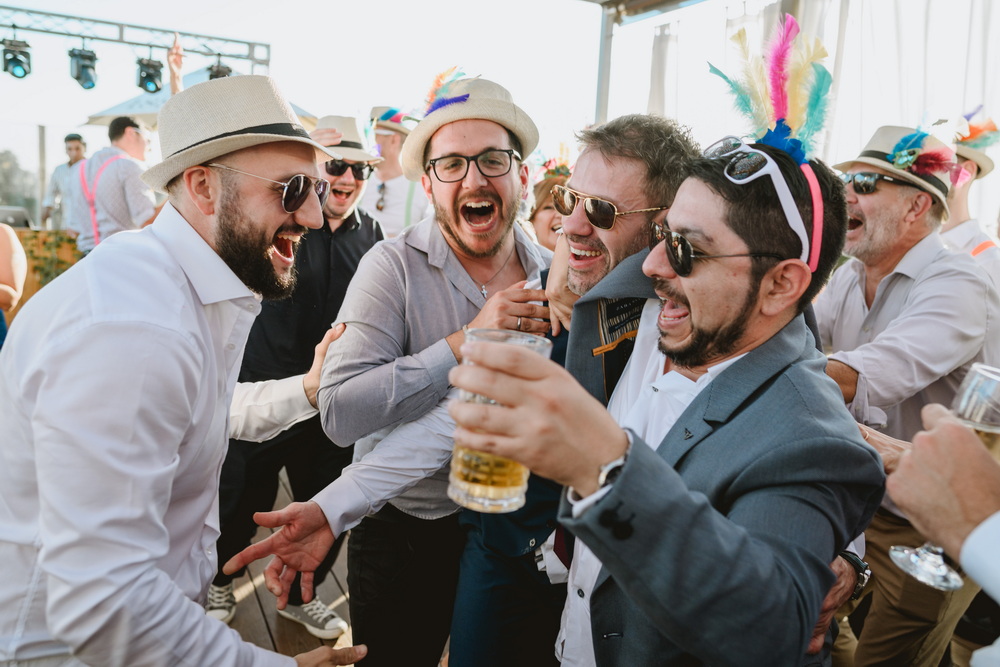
(785,95)
(979,135)
(441,93)
(911,154)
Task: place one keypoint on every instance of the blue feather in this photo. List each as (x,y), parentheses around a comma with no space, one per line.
(912,140)
(741,97)
(781,138)
(815,116)
(445,101)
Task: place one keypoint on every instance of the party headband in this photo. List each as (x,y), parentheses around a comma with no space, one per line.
(785,96)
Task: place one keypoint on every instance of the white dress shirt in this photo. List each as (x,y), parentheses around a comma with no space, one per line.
(647,402)
(115,386)
(980,559)
(969,237)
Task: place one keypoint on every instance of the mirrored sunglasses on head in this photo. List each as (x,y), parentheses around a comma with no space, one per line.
(294,191)
(361,171)
(600,212)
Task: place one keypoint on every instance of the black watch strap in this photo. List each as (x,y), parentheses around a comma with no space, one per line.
(864,572)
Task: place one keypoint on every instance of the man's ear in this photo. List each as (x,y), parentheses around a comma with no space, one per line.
(919,205)
(202,187)
(783,286)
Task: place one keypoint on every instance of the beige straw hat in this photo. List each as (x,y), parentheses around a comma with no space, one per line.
(981,159)
(486,101)
(883,152)
(358,141)
(220,116)
(391,119)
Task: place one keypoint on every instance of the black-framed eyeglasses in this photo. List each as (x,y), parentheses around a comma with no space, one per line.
(600,212)
(492,163)
(681,255)
(294,191)
(361,170)
(866,182)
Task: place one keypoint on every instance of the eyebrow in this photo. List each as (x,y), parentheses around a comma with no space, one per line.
(693,235)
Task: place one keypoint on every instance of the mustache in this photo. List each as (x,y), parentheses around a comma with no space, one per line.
(662,287)
(293,228)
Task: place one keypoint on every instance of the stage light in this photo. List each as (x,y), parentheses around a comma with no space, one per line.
(149,77)
(218,70)
(81,67)
(16,58)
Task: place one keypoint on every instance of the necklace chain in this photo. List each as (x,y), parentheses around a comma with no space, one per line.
(482,286)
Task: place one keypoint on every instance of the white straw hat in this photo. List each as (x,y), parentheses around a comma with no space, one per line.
(357,142)
(220,116)
(473,99)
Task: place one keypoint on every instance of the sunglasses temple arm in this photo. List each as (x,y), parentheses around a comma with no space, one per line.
(817,211)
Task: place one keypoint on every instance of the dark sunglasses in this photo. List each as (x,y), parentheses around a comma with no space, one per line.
(865,182)
(600,212)
(681,255)
(294,191)
(360,170)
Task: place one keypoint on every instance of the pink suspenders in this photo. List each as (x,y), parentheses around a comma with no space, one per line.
(91,195)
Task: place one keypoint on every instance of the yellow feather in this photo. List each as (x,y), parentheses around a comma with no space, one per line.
(755,83)
(800,79)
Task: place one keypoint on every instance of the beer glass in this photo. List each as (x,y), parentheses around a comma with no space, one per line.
(977,405)
(486,482)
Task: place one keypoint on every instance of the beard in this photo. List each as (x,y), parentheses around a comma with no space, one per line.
(246,250)
(581,282)
(450,222)
(707,344)
(879,235)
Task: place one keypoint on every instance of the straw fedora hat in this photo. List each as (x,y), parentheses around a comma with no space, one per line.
(220,116)
(358,141)
(882,151)
(390,119)
(486,101)
(981,159)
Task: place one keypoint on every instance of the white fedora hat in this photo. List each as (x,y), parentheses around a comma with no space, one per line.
(220,116)
(392,119)
(358,141)
(477,99)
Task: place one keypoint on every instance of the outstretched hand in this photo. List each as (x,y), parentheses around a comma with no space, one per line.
(557,292)
(310,382)
(301,543)
(325,656)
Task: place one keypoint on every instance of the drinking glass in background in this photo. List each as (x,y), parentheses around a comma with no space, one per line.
(977,405)
(486,482)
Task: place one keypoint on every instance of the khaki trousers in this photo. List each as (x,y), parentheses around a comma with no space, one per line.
(909,623)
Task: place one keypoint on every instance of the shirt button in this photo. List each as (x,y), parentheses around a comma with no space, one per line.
(250,308)
(580,593)
(230,347)
(531,543)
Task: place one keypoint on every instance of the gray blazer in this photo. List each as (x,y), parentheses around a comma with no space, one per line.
(716,545)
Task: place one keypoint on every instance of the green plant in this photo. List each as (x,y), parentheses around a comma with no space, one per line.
(43,253)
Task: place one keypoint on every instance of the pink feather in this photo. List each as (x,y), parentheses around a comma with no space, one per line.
(777,61)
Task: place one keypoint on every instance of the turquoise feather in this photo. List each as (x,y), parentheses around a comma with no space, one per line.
(815,116)
(741,98)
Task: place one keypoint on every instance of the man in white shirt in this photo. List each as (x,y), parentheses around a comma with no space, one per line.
(961,231)
(397,202)
(115,387)
(904,319)
(714,548)
(949,487)
(57,199)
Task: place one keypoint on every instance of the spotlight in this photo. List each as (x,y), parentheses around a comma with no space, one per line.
(218,70)
(16,58)
(149,77)
(81,67)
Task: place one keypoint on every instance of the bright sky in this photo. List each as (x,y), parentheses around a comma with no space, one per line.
(332,57)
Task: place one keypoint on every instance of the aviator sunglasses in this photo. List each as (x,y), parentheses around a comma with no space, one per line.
(865,182)
(747,164)
(294,191)
(681,255)
(600,212)
(361,171)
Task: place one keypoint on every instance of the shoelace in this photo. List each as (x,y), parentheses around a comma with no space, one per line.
(319,611)
(219,597)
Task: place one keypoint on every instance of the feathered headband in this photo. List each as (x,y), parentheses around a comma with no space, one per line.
(785,96)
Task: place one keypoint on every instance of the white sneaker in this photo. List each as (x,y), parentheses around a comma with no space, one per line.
(320,620)
(221,602)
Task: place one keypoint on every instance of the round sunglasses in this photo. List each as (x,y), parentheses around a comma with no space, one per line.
(681,255)
(294,191)
(866,182)
(362,171)
(600,212)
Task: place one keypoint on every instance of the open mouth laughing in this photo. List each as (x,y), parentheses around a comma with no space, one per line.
(284,242)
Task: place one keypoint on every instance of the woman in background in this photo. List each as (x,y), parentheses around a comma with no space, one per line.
(13,269)
(544,217)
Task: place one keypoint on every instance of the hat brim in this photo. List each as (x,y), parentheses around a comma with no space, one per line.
(159,175)
(356,155)
(505,114)
(900,174)
(981,159)
(394,127)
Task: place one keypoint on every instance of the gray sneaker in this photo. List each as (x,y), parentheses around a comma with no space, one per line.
(221,602)
(320,620)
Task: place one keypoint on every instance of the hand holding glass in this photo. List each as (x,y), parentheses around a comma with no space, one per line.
(977,405)
(486,482)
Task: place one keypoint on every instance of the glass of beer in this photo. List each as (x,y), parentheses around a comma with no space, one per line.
(486,482)
(977,405)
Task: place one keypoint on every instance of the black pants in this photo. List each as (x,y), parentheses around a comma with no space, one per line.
(402,572)
(249,484)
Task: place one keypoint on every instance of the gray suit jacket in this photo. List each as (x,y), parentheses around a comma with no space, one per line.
(716,545)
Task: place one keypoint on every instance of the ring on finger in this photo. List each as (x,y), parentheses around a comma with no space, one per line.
(518,323)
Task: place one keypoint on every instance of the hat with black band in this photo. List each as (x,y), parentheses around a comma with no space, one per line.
(358,141)
(910,155)
(209,120)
